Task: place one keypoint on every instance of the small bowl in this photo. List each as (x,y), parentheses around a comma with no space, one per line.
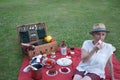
(49,63)
(64,70)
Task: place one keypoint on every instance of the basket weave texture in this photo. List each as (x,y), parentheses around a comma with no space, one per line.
(34,34)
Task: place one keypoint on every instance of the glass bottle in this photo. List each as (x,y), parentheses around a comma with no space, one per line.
(63,48)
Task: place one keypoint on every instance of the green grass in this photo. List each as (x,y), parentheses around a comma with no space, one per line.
(68,20)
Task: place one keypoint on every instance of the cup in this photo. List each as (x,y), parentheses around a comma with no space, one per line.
(53,55)
(72,50)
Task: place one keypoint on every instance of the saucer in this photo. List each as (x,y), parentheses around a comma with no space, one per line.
(66,68)
(47,72)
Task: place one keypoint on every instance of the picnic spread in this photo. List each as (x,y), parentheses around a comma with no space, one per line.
(44,59)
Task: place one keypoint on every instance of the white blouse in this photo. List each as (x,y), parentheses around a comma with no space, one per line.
(97,62)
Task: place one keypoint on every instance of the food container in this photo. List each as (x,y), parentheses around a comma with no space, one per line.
(34,34)
(36,71)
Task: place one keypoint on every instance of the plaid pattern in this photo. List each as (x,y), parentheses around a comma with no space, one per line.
(91,75)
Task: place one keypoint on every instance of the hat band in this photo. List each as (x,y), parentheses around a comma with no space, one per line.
(99,29)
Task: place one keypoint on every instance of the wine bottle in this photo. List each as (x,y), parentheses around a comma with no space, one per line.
(63,48)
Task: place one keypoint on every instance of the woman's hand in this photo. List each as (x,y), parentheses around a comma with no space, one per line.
(98,45)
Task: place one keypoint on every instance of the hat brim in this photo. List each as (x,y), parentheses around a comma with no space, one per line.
(99,31)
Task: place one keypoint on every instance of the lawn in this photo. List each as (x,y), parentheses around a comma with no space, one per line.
(69,20)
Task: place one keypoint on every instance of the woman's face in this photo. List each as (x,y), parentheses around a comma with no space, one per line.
(99,36)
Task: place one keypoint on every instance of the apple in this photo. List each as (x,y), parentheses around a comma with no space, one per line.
(52,40)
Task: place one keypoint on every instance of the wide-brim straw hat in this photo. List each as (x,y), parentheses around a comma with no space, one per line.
(100,27)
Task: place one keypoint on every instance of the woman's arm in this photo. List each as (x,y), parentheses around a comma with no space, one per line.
(87,55)
(110,67)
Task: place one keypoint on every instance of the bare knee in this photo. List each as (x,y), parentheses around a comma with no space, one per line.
(86,78)
(77,77)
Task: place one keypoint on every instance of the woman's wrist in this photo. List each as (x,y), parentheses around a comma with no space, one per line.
(96,48)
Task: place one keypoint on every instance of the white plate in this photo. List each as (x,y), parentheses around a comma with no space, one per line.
(47,72)
(64,62)
(65,72)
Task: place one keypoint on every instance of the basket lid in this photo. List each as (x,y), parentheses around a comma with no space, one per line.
(31,32)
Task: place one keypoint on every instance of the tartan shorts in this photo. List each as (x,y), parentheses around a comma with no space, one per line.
(93,76)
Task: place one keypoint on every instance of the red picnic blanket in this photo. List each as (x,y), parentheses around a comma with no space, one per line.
(27,76)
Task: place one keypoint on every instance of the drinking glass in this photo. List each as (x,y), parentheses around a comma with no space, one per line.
(52,53)
(72,50)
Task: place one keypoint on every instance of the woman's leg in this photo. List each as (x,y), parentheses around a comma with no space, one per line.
(86,78)
(77,77)
(91,76)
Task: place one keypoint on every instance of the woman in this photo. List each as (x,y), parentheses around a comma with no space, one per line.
(95,55)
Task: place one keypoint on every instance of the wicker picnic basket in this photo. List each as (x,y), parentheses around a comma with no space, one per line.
(31,38)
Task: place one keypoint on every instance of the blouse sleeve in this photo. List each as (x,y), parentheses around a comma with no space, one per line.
(85,45)
(112,48)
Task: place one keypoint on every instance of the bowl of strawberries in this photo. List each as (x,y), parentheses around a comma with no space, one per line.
(64,70)
(49,63)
